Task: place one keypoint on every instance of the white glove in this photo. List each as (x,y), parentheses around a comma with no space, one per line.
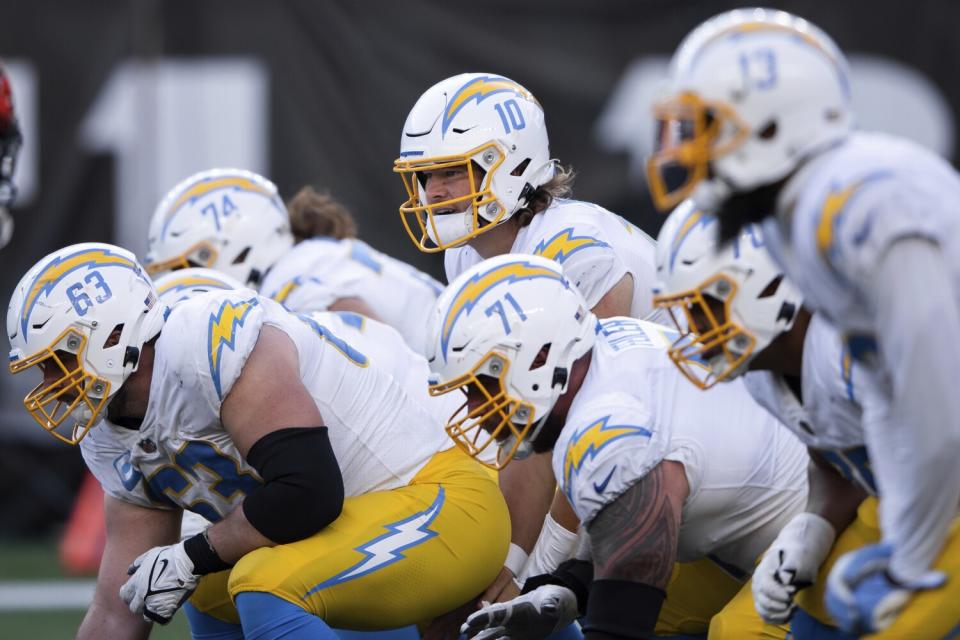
(790,564)
(532,616)
(161,580)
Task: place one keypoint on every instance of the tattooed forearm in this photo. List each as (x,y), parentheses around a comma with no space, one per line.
(635,537)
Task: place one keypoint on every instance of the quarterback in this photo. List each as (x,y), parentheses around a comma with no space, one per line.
(758,124)
(337,499)
(480,182)
(656,472)
(234,221)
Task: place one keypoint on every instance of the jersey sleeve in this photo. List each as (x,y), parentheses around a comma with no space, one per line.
(108,459)
(854,226)
(205,343)
(588,259)
(605,447)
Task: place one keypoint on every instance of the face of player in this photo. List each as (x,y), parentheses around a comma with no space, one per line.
(480,394)
(52,373)
(703,324)
(449,184)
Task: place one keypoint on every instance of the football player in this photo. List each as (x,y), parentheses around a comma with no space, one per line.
(739,316)
(758,124)
(233,221)
(654,470)
(336,496)
(475,162)
(10,141)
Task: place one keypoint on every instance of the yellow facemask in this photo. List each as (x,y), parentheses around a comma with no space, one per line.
(419,217)
(690,133)
(710,347)
(49,404)
(495,420)
(202,254)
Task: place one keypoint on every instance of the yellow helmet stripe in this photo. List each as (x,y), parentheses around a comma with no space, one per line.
(59,267)
(478,286)
(206,186)
(481,88)
(192,281)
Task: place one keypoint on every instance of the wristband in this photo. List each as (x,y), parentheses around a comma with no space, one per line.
(204,557)
(516,558)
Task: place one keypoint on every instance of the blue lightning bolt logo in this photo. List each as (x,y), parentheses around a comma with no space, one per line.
(563,244)
(587,443)
(388,548)
(222,333)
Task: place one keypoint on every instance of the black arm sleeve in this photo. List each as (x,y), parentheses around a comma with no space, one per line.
(619,609)
(303,489)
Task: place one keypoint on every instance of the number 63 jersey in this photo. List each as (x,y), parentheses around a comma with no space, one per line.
(369,386)
(746,473)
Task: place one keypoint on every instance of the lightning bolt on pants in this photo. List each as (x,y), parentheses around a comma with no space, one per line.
(393,558)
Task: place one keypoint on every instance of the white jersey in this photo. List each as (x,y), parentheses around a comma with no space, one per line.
(382,426)
(317,272)
(847,207)
(747,474)
(836,220)
(597,249)
(830,416)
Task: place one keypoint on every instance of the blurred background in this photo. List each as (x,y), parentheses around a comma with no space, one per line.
(120,99)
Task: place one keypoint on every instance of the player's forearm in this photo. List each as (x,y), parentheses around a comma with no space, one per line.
(830,495)
(528,487)
(234,537)
(915,445)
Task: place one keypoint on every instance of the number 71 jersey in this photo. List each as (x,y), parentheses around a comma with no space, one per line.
(369,386)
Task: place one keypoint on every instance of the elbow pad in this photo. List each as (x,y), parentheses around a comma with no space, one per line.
(302,489)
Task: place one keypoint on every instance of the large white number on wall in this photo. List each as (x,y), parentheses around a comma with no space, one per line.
(165,120)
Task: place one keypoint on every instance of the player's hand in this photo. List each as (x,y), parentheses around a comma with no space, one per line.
(503,588)
(861,595)
(160,581)
(532,616)
(790,564)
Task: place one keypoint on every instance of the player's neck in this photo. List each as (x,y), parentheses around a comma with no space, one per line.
(785,354)
(129,406)
(498,240)
(578,371)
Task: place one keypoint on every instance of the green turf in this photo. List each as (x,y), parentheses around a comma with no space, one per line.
(54,625)
(20,560)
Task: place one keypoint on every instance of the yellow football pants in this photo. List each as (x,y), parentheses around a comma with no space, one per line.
(929,614)
(702,597)
(393,558)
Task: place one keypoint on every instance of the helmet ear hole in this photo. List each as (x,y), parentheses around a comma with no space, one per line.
(114,338)
(541,357)
(520,168)
(241,257)
(771,288)
(769,131)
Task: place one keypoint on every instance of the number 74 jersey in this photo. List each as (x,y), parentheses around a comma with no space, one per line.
(368,385)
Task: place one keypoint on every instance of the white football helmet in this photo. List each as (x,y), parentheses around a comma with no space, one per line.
(753,92)
(82,314)
(183,284)
(473,121)
(511,326)
(225,219)
(729,302)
